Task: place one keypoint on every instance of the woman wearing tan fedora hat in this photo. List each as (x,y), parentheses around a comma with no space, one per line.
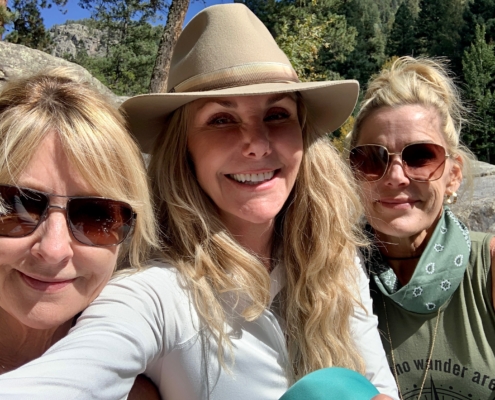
(257,284)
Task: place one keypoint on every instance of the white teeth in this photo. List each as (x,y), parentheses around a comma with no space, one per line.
(253,178)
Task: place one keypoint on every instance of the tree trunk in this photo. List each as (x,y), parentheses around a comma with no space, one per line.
(3,13)
(173,28)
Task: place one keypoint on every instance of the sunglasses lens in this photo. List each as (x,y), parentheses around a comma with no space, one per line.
(99,222)
(20,211)
(424,161)
(369,162)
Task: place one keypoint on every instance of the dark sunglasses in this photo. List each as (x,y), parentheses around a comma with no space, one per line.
(421,162)
(94,221)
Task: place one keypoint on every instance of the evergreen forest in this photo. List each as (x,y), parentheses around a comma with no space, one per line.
(325,39)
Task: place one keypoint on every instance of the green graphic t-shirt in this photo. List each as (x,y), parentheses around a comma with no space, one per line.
(463,358)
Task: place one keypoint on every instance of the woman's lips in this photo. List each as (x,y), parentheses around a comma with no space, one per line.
(398,204)
(47,285)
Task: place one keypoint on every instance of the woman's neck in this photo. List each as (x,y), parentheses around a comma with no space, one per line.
(403,253)
(257,238)
(20,344)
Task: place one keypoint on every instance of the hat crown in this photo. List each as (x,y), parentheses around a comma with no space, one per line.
(228,40)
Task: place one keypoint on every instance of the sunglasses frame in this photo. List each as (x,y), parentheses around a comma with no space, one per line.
(401,160)
(44,214)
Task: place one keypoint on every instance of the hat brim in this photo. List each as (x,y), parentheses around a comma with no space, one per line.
(329,103)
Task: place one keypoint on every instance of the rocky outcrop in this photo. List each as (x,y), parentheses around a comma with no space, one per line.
(73,37)
(17,60)
(476,207)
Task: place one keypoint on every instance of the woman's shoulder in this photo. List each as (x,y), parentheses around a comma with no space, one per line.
(480,257)
(155,268)
(481,243)
(159,280)
(155,295)
(480,238)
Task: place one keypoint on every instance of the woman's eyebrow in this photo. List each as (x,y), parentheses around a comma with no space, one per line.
(277,97)
(232,104)
(222,102)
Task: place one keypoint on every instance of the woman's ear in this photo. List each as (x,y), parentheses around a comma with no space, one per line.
(455,174)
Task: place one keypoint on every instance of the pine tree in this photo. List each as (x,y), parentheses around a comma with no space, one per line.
(479,73)
(312,34)
(132,43)
(438,29)
(369,52)
(4,17)
(402,41)
(27,24)
(478,12)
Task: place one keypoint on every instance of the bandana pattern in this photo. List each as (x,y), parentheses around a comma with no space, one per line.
(439,271)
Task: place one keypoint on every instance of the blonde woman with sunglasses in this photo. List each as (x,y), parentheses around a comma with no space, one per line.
(432,281)
(259,283)
(71,208)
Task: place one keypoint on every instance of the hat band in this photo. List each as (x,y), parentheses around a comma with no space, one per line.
(240,75)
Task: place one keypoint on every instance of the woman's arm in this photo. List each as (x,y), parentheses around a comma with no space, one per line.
(144,389)
(112,342)
(364,325)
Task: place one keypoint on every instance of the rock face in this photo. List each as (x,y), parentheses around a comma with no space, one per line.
(477,209)
(17,60)
(71,38)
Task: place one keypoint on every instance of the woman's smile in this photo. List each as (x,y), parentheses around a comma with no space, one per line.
(48,285)
(397,203)
(253,178)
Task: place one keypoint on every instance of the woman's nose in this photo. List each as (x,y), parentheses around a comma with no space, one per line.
(54,245)
(395,174)
(256,136)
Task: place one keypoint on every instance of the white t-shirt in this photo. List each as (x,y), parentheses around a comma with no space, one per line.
(146,322)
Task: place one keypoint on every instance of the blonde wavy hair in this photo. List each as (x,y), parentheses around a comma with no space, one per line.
(95,140)
(316,237)
(425,82)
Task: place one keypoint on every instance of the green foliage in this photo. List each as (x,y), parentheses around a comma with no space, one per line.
(369,52)
(310,41)
(478,12)
(126,69)
(6,17)
(26,23)
(402,41)
(438,33)
(132,43)
(479,73)
(312,34)
(119,13)
(301,40)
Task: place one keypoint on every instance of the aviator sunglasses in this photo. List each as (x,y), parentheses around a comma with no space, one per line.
(93,221)
(421,162)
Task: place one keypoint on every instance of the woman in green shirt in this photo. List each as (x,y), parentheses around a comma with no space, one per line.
(431,279)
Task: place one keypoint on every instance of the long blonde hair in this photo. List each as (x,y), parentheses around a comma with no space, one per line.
(316,233)
(93,135)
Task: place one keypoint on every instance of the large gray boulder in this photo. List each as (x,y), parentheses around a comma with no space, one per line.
(477,208)
(17,60)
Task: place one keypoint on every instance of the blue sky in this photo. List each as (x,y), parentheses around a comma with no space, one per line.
(53,16)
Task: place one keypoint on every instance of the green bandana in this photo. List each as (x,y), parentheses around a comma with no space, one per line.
(438,273)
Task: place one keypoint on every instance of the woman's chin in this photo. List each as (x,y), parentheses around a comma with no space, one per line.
(398,228)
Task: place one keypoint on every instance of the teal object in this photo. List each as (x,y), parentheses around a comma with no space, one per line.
(331,383)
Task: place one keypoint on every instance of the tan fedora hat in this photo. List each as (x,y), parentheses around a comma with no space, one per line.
(225,50)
